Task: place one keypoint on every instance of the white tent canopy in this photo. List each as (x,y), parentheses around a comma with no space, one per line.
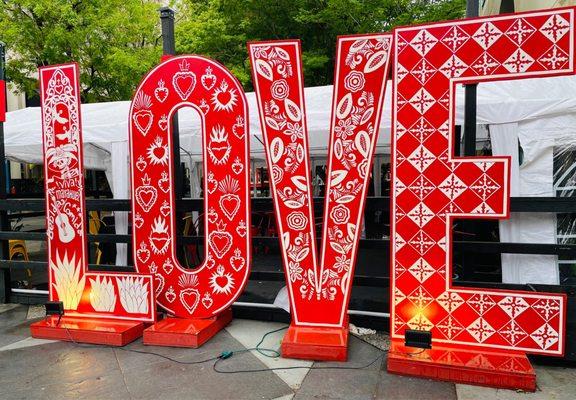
(526,111)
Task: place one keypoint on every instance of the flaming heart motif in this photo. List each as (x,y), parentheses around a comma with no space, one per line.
(159,237)
(143,253)
(143,117)
(163,122)
(141,164)
(237,166)
(212,183)
(138,220)
(143,121)
(229,204)
(146,194)
(165,208)
(212,215)
(241,229)
(170,295)
(224,98)
(190,298)
(237,262)
(221,282)
(219,148)
(208,79)
(167,266)
(204,106)
(207,300)
(184,81)
(164,183)
(220,241)
(161,91)
(238,127)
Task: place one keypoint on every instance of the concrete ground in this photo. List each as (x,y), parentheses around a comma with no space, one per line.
(41,369)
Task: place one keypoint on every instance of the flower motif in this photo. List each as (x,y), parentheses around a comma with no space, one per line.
(344,128)
(297,220)
(294,130)
(280,89)
(342,264)
(294,271)
(340,214)
(354,81)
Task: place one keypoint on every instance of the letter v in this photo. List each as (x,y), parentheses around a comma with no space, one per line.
(319,292)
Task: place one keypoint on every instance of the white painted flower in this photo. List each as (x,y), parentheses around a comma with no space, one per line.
(280,89)
(133,294)
(297,220)
(354,81)
(68,282)
(102,296)
(340,214)
(295,271)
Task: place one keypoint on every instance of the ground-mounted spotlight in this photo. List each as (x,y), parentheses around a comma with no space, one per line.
(416,338)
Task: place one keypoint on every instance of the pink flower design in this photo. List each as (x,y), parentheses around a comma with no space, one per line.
(354,81)
(297,220)
(340,214)
(280,89)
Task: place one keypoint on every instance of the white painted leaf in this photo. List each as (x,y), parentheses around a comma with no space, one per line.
(300,153)
(337,248)
(351,228)
(347,198)
(276,149)
(302,254)
(344,106)
(293,204)
(358,45)
(375,61)
(336,177)
(264,69)
(300,183)
(271,122)
(338,149)
(362,142)
(366,116)
(283,54)
(292,110)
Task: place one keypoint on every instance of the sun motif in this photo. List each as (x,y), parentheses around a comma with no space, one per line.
(221,282)
(224,98)
(158,152)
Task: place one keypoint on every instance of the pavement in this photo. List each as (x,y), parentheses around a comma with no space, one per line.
(41,369)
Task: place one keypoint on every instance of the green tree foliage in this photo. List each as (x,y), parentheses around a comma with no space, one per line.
(117,41)
(114,41)
(221,28)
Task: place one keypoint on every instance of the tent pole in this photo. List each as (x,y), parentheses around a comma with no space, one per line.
(4,222)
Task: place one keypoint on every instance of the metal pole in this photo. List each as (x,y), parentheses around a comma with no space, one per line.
(4,221)
(469,139)
(169,49)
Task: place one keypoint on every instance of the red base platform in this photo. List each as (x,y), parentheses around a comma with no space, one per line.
(87,330)
(506,370)
(179,332)
(316,343)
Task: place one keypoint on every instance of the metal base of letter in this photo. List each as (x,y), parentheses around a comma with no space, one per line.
(87,330)
(498,369)
(316,343)
(180,332)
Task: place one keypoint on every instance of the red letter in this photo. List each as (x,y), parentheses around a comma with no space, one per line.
(84,294)
(319,291)
(431,186)
(218,97)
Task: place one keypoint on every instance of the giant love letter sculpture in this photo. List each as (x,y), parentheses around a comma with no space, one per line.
(431,187)
(207,292)
(91,299)
(319,292)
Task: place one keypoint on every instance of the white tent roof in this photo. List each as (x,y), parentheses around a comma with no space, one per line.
(106,123)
